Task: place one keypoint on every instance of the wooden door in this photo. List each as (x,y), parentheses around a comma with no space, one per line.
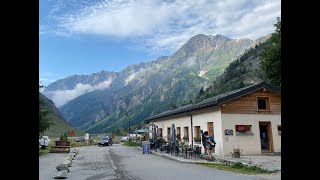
(265,127)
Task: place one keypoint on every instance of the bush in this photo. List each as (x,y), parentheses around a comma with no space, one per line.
(237,165)
(162,141)
(130,143)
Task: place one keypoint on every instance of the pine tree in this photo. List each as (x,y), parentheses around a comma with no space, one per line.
(44,120)
(271,56)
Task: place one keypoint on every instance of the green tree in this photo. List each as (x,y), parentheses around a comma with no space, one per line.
(201,92)
(65,136)
(173,106)
(44,120)
(271,56)
(117,131)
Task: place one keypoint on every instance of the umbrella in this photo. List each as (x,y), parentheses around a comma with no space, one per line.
(173,141)
(154,134)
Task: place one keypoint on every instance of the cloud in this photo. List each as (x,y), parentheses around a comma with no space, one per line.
(130,78)
(61,97)
(42,29)
(165,25)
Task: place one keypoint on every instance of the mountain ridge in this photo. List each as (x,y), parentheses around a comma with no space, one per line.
(169,79)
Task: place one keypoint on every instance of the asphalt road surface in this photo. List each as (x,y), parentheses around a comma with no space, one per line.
(120,162)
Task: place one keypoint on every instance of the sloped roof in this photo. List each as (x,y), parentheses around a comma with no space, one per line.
(216,100)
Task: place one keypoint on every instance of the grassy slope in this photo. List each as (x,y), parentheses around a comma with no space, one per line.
(60,125)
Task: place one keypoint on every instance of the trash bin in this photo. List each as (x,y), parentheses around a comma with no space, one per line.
(145,147)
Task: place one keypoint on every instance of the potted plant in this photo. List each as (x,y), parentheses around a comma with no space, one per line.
(185,139)
(183,145)
(197,140)
(179,137)
(236,152)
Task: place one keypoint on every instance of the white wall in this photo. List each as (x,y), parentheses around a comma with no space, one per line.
(178,121)
(213,115)
(276,136)
(200,118)
(250,144)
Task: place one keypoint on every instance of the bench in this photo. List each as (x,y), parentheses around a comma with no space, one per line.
(61,146)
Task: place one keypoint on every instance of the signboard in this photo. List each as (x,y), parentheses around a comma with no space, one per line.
(145,147)
(228,132)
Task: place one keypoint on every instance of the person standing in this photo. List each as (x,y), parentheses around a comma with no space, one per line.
(204,142)
(211,144)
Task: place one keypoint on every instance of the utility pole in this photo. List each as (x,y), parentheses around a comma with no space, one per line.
(129,126)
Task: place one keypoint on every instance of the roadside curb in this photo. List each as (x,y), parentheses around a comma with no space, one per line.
(219,161)
(168,157)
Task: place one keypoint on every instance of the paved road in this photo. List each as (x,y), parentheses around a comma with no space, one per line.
(48,163)
(119,162)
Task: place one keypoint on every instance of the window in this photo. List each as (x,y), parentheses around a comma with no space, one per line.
(186,133)
(178,133)
(210,128)
(279,129)
(243,130)
(197,134)
(263,103)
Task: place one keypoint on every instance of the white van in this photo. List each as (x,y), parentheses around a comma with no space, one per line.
(125,138)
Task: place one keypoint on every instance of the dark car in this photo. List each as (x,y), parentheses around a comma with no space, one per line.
(79,139)
(105,141)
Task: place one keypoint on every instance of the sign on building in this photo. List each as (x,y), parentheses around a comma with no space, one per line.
(228,132)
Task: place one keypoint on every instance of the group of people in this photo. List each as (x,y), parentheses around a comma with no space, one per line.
(208,144)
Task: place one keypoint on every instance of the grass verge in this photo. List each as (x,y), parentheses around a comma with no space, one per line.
(132,144)
(79,144)
(238,168)
(43,151)
(72,144)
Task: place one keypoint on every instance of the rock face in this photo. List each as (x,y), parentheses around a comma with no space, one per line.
(100,102)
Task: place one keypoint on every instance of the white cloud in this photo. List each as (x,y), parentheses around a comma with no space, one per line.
(130,78)
(166,25)
(42,29)
(61,97)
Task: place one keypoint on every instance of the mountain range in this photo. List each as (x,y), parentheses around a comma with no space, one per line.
(105,101)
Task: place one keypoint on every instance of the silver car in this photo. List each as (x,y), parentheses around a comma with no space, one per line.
(105,141)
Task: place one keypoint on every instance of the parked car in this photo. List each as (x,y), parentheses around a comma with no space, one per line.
(123,139)
(105,141)
(44,141)
(79,139)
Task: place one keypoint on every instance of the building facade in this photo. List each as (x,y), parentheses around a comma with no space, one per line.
(248,118)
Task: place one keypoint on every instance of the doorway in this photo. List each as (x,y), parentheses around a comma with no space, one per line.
(266,137)
(210,128)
